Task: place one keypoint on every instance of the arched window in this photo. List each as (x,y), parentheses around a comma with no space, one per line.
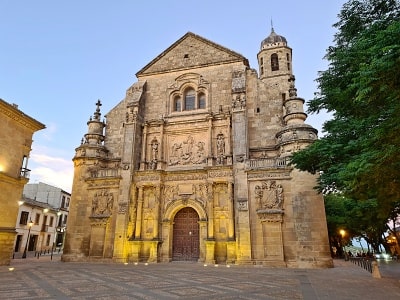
(177,103)
(274,62)
(288,61)
(190,99)
(202,101)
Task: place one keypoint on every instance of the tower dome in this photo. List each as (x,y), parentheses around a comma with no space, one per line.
(273,40)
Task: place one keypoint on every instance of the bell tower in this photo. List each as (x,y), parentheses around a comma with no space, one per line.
(275,61)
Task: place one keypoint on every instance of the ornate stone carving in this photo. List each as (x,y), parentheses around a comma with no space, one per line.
(178,177)
(102,203)
(220,173)
(239,102)
(238,81)
(240,158)
(269,195)
(122,207)
(99,221)
(260,175)
(220,149)
(131,114)
(154,154)
(242,204)
(170,193)
(187,151)
(270,215)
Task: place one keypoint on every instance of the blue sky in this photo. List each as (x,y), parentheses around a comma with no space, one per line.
(58,57)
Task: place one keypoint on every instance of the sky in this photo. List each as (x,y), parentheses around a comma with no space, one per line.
(57,58)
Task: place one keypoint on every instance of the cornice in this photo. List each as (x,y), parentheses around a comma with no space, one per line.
(19,117)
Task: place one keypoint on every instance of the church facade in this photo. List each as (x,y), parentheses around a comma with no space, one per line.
(193,165)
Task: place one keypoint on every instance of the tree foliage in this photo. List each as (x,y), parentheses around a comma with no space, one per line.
(364,218)
(359,154)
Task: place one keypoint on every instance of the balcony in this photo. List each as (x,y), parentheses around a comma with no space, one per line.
(267,163)
(104,173)
(25,173)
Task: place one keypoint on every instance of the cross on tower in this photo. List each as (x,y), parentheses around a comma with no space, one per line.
(98,104)
(97,113)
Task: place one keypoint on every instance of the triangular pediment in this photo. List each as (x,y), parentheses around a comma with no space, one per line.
(191,51)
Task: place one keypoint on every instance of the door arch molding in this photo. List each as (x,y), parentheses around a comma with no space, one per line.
(177,205)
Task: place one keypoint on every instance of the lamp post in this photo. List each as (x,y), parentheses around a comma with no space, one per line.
(342,234)
(30,224)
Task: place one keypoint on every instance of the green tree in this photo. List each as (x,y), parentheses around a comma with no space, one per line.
(359,154)
(358,219)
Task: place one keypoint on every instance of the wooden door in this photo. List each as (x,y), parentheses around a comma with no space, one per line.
(185,246)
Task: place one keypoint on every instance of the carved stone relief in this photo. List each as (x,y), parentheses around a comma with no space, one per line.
(170,193)
(219,173)
(242,204)
(122,207)
(220,149)
(239,102)
(131,114)
(238,81)
(187,151)
(269,195)
(102,203)
(154,154)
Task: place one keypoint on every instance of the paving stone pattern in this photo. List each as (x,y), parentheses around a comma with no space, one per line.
(52,279)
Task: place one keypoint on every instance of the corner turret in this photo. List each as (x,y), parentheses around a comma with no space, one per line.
(296,134)
(92,143)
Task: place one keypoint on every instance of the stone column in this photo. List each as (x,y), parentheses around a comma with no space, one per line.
(153,251)
(157,212)
(161,155)
(203,238)
(210,252)
(143,157)
(138,229)
(166,241)
(210,212)
(210,143)
(231,226)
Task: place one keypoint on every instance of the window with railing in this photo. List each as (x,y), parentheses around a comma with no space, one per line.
(23,220)
(37,219)
(24,172)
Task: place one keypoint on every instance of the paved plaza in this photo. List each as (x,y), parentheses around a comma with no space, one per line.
(44,278)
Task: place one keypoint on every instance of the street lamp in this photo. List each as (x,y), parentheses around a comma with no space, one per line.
(30,224)
(342,234)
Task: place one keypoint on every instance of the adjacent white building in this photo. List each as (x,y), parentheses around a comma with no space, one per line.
(42,218)
(36,226)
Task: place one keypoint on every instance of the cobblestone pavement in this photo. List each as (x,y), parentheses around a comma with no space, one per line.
(52,279)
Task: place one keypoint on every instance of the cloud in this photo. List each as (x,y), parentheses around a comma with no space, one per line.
(53,170)
(49,132)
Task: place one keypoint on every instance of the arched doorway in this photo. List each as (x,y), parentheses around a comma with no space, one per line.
(185,244)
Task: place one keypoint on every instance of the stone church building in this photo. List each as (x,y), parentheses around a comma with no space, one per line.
(193,165)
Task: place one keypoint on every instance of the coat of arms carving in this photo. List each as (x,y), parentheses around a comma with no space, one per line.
(269,195)
(102,203)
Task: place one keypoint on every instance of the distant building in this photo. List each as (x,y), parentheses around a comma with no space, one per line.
(57,199)
(36,227)
(193,164)
(16,134)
